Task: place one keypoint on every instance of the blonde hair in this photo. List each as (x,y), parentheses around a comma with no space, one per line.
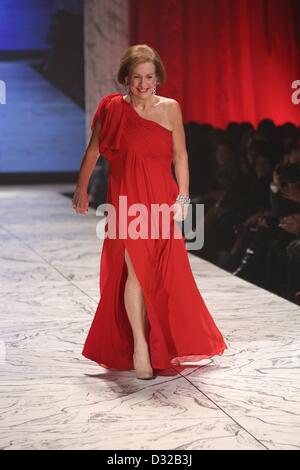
(138,54)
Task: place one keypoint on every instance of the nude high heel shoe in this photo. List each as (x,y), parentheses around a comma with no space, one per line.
(142,370)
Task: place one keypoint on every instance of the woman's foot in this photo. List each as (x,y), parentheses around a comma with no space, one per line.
(142,365)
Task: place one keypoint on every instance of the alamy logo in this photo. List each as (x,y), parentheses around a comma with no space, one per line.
(2,92)
(296,95)
(157,221)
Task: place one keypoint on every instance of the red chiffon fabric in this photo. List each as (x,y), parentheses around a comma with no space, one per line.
(181,328)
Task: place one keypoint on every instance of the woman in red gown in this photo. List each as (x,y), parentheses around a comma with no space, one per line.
(151,314)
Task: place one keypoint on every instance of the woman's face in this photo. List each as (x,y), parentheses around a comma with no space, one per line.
(262,166)
(142,80)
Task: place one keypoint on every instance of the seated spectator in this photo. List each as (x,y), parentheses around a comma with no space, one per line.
(252,205)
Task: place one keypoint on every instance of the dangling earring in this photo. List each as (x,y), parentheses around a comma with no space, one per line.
(154,89)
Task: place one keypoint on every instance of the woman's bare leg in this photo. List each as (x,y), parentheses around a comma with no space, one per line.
(136,311)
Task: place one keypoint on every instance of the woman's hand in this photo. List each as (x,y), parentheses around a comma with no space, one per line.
(180,211)
(291,224)
(253,219)
(80,201)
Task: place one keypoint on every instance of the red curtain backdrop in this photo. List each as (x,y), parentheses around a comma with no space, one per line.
(226,60)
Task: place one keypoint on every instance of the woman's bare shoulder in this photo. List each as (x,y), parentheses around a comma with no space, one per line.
(169,104)
(172,108)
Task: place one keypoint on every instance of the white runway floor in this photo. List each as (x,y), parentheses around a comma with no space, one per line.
(53,398)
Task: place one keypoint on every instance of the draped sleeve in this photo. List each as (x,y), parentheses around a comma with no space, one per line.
(110,115)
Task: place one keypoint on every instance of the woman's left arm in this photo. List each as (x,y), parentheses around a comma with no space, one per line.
(180,156)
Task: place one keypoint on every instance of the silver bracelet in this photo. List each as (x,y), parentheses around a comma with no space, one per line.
(183,198)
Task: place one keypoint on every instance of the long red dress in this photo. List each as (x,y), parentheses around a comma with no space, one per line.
(181,329)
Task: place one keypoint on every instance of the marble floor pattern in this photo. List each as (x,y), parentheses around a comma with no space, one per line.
(54,398)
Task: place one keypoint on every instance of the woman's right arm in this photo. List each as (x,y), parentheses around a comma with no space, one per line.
(80,200)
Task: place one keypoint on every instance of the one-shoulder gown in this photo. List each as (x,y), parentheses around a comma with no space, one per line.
(181,327)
